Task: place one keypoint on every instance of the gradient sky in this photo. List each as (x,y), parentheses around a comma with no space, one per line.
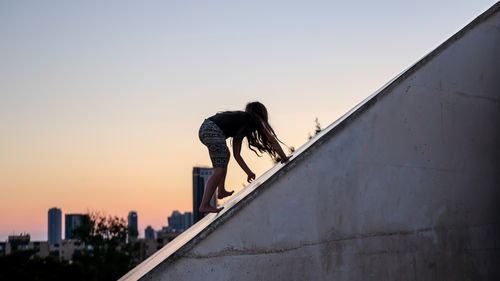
(101,101)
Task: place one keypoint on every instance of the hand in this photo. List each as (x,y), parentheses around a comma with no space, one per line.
(285,159)
(251,176)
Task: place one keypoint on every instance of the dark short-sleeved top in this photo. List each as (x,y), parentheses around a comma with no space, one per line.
(234,124)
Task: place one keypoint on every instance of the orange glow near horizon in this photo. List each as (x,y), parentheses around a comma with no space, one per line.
(114,179)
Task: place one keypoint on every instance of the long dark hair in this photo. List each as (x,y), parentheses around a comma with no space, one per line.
(256,138)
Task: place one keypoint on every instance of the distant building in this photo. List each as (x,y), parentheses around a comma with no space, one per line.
(175,221)
(71,222)
(178,222)
(54,227)
(147,247)
(132,225)
(41,248)
(3,248)
(164,237)
(54,249)
(67,248)
(17,243)
(200,178)
(149,233)
(21,243)
(188,220)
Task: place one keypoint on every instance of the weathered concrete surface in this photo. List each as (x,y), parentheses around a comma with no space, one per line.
(404,187)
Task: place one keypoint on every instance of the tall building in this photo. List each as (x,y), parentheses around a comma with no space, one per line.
(200,178)
(149,233)
(175,221)
(54,226)
(188,220)
(132,224)
(71,221)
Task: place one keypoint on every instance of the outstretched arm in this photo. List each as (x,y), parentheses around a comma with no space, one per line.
(239,159)
(275,144)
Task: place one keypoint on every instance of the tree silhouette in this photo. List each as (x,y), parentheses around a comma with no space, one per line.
(317,128)
(106,254)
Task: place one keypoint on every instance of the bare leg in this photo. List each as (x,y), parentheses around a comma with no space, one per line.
(221,191)
(212,183)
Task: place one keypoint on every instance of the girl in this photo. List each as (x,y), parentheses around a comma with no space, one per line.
(252,124)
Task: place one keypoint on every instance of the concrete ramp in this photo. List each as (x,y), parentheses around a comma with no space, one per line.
(405,186)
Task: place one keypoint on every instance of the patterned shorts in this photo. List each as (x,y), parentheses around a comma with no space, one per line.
(212,136)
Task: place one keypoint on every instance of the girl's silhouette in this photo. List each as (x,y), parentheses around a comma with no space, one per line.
(252,124)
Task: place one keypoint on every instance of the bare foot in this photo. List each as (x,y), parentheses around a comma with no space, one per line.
(224,193)
(209,209)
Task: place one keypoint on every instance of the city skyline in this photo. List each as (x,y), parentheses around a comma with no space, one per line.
(55,228)
(100,104)
(176,221)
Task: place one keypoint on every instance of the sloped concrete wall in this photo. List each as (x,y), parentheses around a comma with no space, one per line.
(407,188)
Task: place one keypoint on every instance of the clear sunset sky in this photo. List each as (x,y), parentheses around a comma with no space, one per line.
(101,101)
